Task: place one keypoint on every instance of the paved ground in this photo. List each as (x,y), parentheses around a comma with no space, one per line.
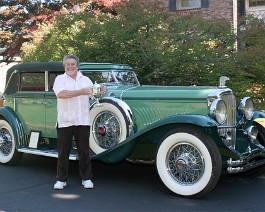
(123,187)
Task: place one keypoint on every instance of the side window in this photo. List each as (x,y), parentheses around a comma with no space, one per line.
(52,76)
(187,4)
(32,81)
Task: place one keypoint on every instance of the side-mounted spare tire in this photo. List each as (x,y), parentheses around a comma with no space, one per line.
(110,124)
(8,152)
(188,162)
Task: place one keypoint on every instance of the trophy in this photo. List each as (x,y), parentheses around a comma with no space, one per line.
(97,93)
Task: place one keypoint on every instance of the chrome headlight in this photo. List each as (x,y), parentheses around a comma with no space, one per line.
(252,133)
(246,107)
(218,111)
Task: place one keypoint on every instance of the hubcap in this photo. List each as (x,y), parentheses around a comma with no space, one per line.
(185,163)
(5,142)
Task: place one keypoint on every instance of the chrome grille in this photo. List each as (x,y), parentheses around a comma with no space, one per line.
(227,130)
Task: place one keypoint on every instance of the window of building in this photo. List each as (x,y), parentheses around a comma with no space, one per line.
(256,8)
(187,4)
(256,3)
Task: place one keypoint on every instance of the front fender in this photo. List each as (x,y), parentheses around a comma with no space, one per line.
(10,116)
(122,150)
(117,153)
(197,120)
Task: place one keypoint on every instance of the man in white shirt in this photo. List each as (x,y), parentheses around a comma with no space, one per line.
(72,90)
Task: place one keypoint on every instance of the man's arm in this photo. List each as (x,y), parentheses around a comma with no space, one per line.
(65,94)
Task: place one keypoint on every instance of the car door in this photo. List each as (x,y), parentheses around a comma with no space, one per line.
(30,102)
(51,106)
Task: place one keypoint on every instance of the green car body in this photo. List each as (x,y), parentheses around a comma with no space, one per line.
(189,133)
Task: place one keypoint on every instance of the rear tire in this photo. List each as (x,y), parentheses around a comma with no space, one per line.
(8,153)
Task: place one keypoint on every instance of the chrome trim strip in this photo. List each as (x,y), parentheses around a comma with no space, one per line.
(220,127)
(220,92)
(48,153)
(46,81)
(127,90)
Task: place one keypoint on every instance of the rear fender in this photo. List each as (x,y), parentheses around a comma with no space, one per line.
(11,117)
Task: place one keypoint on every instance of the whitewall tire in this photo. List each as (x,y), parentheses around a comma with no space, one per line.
(188,162)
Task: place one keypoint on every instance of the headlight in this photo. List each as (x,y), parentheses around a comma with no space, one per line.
(218,111)
(246,107)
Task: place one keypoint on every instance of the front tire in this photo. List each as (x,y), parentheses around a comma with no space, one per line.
(188,162)
(261,133)
(261,138)
(8,153)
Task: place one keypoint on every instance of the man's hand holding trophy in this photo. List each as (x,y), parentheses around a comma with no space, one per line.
(98,90)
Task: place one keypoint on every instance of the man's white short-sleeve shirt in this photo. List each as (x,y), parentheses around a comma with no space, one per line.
(72,111)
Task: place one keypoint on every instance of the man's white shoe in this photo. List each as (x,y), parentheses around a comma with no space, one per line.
(59,185)
(87,184)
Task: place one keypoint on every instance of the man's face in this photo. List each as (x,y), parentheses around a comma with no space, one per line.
(71,67)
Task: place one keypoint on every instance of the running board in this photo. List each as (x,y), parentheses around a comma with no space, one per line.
(47,153)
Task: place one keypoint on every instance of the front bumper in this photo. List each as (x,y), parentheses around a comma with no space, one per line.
(246,163)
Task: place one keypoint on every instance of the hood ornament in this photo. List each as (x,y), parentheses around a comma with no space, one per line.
(222,81)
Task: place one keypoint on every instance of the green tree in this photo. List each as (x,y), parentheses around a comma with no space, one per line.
(250,60)
(21,20)
(164,49)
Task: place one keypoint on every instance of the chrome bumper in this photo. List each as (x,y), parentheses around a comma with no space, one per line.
(247,163)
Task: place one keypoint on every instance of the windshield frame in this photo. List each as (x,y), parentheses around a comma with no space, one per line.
(111,77)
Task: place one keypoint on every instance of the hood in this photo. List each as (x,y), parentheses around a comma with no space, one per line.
(161,92)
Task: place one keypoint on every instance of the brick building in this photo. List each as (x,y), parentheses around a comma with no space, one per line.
(212,9)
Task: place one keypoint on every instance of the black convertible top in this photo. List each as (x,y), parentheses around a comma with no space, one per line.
(35,67)
(13,73)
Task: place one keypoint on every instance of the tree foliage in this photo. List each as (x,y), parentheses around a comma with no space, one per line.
(20,20)
(165,50)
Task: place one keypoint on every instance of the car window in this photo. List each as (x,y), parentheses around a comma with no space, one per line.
(125,77)
(112,77)
(100,77)
(52,76)
(32,81)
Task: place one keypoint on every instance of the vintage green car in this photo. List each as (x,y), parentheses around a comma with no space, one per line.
(190,133)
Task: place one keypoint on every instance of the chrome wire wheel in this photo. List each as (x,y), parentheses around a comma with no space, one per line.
(106,129)
(110,126)
(188,162)
(6,144)
(185,163)
(8,153)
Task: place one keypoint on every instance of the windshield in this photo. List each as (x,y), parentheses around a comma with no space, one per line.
(112,77)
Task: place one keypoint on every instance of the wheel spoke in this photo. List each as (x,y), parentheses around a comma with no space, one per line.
(106,130)
(5,142)
(185,163)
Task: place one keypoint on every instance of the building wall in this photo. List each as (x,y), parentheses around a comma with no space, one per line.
(218,9)
(258,11)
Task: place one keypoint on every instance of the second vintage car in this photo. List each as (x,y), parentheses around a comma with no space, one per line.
(190,134)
